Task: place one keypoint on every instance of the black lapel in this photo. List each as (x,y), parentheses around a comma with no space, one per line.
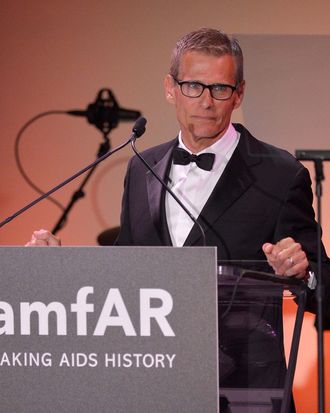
(234,181)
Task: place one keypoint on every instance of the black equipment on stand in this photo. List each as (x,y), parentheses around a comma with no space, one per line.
(105,115)
(137,131)
(318,156)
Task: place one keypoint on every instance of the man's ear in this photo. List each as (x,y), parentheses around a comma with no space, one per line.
(169,86)
(239,94)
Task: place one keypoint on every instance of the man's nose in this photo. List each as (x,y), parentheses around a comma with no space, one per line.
(207,99)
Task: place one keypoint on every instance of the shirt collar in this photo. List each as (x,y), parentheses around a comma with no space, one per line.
(220,148)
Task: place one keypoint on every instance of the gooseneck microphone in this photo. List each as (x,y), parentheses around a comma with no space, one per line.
(137,131)
(167,189)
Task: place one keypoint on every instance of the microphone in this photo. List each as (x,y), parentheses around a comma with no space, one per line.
(105,112)
(167,189)
(139,128)
(137,131)
(313,154)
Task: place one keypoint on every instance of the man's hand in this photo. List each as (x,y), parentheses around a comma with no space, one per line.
(43,238)
(287,257)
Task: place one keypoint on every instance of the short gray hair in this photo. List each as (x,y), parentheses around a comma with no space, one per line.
(208,41)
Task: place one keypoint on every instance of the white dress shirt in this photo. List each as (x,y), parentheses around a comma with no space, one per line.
(193,186)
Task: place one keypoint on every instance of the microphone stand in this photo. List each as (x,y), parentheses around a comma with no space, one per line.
(105,115)
(318,156)
(79,193)
(169,190)
(319,177)
(138,130)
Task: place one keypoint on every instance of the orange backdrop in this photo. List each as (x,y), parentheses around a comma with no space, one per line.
(57,56)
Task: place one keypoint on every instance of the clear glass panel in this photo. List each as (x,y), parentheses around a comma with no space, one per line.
(252,365)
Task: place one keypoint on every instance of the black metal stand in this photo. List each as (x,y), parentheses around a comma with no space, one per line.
(254,288)
(79,193)
(105,115)
(318,156)
(319,177)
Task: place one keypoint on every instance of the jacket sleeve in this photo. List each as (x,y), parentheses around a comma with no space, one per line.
(297,220)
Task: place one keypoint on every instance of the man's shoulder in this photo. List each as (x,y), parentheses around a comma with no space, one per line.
(253,147)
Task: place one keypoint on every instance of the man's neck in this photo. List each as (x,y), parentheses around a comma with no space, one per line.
(196,145)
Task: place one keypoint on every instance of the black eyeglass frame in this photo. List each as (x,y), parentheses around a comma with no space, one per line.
(209,87)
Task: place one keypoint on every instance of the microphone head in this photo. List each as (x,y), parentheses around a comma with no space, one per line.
(139,127)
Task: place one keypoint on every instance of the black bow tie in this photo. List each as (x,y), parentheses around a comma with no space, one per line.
(204,160)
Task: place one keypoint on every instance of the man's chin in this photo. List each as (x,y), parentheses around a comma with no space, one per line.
(208,134)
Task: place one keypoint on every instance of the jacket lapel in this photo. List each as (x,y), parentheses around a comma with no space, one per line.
(234,181)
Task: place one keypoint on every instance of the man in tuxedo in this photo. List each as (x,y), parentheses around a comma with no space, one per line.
(253,200)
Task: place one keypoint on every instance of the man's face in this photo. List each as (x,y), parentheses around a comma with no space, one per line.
(203,120)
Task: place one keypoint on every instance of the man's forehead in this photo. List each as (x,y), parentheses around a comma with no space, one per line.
(201,61)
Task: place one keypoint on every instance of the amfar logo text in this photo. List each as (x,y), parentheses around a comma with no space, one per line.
(114,304)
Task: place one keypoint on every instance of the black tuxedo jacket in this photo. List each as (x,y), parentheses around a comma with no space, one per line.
(263,195)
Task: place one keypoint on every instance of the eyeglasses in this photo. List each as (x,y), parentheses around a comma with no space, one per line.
(219,91)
